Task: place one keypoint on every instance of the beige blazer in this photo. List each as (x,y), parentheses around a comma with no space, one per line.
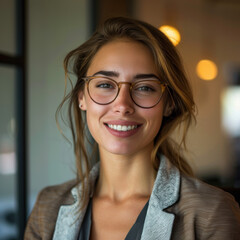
(180,208)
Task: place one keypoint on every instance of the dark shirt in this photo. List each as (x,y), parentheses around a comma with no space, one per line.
(134,233)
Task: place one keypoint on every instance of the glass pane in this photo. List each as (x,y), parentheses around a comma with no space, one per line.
(8,208)
(7,26)
(231,110)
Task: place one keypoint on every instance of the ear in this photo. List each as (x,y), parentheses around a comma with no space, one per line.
(82,101)
(168,109)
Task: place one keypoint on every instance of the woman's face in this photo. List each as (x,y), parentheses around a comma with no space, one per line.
(124,61)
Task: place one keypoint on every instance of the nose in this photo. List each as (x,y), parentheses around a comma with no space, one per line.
(124,104)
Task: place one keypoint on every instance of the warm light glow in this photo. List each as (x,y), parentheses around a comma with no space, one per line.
(172,33)
(231,110)
(206,70)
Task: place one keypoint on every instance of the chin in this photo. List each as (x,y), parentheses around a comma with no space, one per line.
(123,151)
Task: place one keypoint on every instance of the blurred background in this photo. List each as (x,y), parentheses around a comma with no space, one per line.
(35,35)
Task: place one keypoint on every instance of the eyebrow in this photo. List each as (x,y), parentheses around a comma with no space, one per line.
(116,74)
(107,73)
(145,76)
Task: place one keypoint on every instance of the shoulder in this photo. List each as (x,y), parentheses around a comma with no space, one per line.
(51,198)
(56,192)
(43,217)
(204,195)
(206,211)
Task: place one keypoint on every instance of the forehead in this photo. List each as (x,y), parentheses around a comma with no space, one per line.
(123,55)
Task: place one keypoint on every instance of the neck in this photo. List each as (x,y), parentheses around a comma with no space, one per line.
(125,177)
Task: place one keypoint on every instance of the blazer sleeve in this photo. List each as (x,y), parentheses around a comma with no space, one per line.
(32,231)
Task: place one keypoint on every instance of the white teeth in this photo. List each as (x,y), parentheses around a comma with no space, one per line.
(122,128)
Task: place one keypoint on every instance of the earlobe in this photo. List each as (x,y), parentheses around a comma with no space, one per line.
(82,101)
(168,110)
(169,106)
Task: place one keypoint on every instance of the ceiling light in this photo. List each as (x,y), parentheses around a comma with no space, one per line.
(172,33)
(206,69)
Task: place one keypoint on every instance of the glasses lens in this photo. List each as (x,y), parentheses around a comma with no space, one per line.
(147,93)
(102,90)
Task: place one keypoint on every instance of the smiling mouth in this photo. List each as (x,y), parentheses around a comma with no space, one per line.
(122,128)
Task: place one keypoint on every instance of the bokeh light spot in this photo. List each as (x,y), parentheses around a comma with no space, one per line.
(206,69)
(172,33)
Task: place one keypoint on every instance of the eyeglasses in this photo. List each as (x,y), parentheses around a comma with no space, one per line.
(145,93)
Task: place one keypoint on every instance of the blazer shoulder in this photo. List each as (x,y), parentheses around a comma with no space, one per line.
(203,194)
(57,191)
(41,222)
(205,211)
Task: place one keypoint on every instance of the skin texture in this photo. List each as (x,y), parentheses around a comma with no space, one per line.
(126,176)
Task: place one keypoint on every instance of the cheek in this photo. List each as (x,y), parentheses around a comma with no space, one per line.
(157,125)
(94,113)
(91,118)
(155,120)
(94,109)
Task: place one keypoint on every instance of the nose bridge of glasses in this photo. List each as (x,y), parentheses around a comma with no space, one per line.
(125,83)
(126,91)
(122,83)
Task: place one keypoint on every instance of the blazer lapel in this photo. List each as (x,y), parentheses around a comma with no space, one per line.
(158,223)
(69,217)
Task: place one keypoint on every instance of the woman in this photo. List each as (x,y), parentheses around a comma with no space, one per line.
(131,94)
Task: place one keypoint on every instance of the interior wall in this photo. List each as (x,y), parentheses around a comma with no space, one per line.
(55,27)
(207,31)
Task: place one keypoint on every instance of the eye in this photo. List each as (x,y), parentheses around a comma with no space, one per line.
(101,83)
(145,87)
(104,85)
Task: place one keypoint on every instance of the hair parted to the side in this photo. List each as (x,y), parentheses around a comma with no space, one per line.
(179,94)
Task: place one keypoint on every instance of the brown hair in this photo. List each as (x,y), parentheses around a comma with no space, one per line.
(171,72)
